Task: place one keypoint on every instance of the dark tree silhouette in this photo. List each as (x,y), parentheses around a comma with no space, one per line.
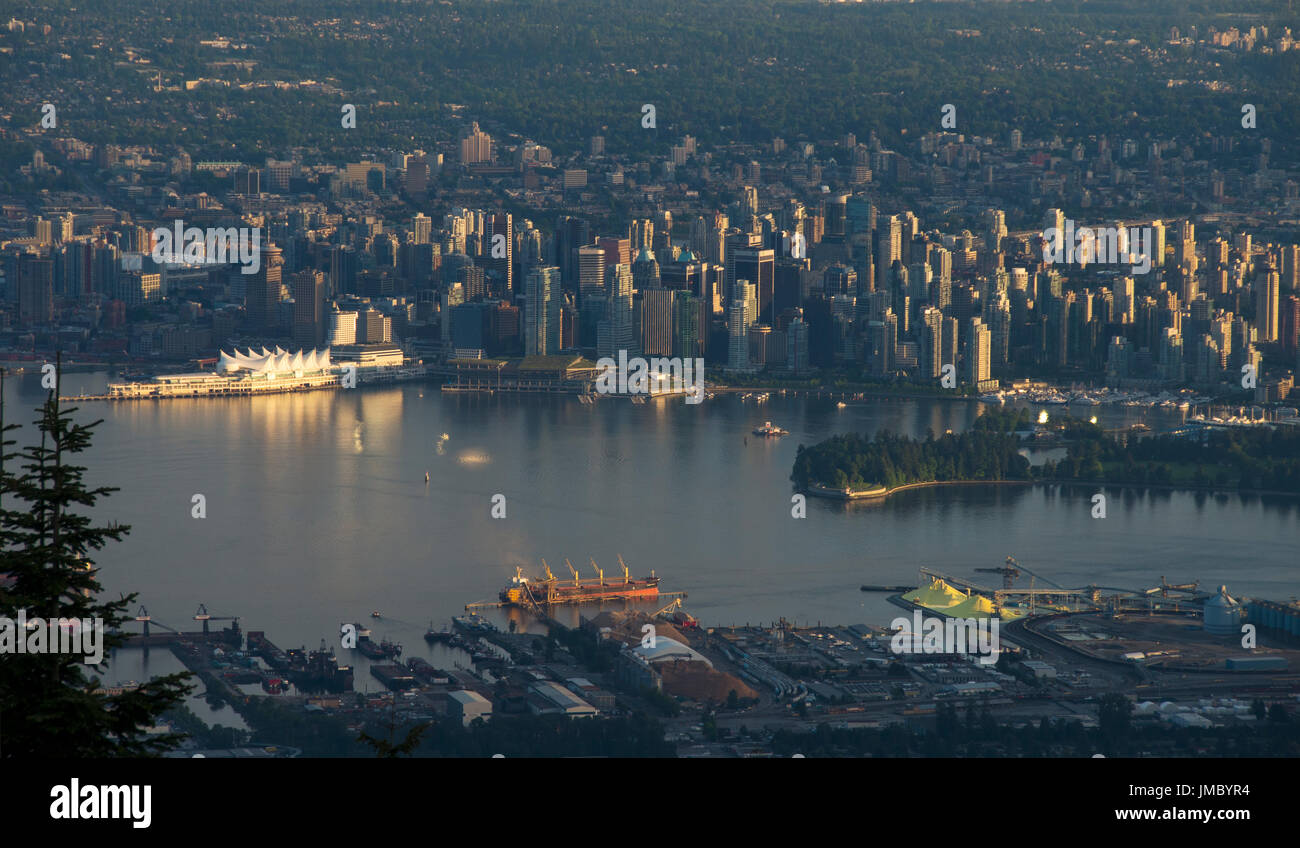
(51,705)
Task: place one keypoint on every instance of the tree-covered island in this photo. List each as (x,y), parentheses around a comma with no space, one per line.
(1263,458)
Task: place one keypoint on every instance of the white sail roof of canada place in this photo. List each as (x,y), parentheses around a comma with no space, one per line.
(277,362)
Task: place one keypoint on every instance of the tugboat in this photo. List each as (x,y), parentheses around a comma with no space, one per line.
(769,429)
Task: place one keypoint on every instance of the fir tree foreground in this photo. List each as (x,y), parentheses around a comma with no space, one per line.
(52,705)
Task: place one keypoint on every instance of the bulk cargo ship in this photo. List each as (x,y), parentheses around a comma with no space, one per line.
(526,592)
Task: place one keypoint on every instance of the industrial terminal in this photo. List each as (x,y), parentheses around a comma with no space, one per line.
(1180,656)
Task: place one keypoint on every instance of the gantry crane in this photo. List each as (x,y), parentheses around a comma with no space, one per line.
(202,615)
(144,618)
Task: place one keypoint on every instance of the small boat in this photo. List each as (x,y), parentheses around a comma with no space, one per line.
(769,429)
(445,437)
(426,476)
(375,614)
(840,405)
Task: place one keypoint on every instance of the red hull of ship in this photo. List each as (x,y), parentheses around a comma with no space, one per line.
(647,589)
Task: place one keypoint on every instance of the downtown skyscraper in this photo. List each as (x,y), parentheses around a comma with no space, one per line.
(615,331)
(542,311)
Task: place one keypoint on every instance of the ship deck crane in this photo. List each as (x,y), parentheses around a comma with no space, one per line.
(599,572)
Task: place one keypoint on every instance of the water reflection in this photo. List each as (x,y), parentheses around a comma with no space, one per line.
(304,530)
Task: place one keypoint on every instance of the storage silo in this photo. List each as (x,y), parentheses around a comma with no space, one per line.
(1222,614)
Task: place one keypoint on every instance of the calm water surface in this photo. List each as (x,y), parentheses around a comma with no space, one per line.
(318,512)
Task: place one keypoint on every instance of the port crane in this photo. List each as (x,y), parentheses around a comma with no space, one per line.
(1009,573)
(1166,587)
(1013,569)
(202,615)
(145,619)
(676,604)
(685,619)
(1053,584)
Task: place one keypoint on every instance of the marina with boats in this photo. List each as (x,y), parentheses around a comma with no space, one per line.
(1045,395)
(1192,408)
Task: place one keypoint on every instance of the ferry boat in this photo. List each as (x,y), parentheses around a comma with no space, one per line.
(769,429)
